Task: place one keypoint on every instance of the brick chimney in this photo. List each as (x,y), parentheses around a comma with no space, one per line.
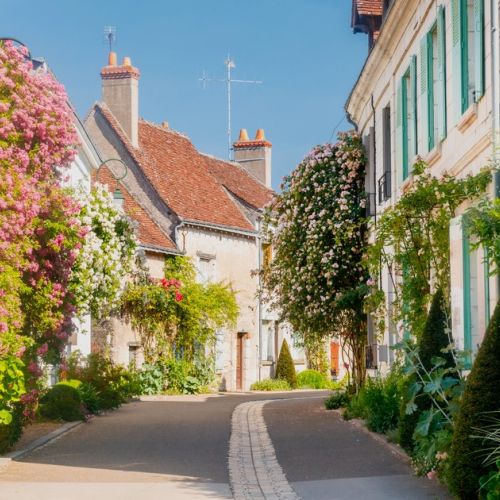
(254,156)
(120,91)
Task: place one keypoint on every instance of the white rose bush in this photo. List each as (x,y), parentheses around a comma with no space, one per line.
(107,255)
(317,229)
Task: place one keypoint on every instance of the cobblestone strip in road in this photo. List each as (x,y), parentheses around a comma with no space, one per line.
(254,471)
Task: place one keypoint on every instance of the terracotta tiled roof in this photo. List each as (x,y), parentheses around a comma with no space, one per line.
(369,7)
(237,180)
(149,233)
(191,183)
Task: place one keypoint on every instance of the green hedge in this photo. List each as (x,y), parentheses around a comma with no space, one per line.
(312,379)
(62,402)
(271,384)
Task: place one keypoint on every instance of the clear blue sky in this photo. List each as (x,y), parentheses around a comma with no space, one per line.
(303,50)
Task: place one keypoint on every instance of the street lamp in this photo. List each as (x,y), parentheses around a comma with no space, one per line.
(117,194)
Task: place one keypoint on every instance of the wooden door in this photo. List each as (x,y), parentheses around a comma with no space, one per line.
(334,358)
(239,361)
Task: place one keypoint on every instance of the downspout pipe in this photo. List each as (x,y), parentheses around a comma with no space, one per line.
(495,85)
(259,298)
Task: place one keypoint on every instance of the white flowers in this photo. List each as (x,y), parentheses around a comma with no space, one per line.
(106,256)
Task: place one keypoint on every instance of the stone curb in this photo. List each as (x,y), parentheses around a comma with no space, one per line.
(41,441)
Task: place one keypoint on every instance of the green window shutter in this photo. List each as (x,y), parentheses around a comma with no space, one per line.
(441,64)
(425,91)
(466,290)
(399,131)
(414,111)
(404,128)
(459,70)
(479,48)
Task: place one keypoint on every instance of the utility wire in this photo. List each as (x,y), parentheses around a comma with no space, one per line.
(336,127)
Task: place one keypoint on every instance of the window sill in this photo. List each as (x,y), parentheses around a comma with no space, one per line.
(433,155)
(468,118)
(267,363)
(407,183)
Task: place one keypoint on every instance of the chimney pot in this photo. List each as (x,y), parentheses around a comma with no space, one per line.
(260,136)
(243,135)
(127,61)
(164,124)
(112,59)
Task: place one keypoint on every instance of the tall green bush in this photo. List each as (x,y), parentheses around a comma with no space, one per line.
(285,368)
(433,341)
(481,395)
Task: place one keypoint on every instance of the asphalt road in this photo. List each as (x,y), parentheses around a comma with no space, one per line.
(177,449)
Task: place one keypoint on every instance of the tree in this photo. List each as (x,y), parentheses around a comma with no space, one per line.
(317,228)
(480,398)
(285,368)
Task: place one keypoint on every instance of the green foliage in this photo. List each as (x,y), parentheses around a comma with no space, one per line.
(285,367)
(411,238)
(61,402)
(11,432)
(490,484)
(339,399)
(312,379)
(434,344)
(483,222)
(481,396)
(90,397)
(271,384)
(177,311)
(179,378)
(151,379)
(377,402)
(112,383)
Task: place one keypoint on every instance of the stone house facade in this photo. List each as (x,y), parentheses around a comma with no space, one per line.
(189,203)
(429,89)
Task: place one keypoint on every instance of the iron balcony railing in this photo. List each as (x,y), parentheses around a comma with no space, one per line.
(384,187)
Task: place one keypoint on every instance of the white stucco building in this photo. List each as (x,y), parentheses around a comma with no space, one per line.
(429,88)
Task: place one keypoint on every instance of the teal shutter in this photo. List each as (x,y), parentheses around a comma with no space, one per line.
(414,111)
(478,49)
(466,291)
(404,127)
(486,269)
(458,68)
(441,64)
(399,131)
(425,93)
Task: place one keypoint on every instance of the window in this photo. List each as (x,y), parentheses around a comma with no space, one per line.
(468,52)
(472,336)
(206,268)
(384,182)
(433,83)
(406,119)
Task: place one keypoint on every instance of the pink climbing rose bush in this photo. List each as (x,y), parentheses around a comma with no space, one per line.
(40,232)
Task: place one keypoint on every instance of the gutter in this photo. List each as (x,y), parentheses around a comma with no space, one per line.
(152,248)
(218,227)
(259,298)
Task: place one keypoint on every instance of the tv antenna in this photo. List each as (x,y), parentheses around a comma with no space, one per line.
(229,63)
(110,36)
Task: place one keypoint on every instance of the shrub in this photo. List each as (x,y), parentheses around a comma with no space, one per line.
(90,397)
(271,384)
(312,379)
(433,341)
(151,379)
(61,402)
(285,368)
(377,402)
(113,383)
(481,395)
(490,484)
(10,433)
(337,400)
